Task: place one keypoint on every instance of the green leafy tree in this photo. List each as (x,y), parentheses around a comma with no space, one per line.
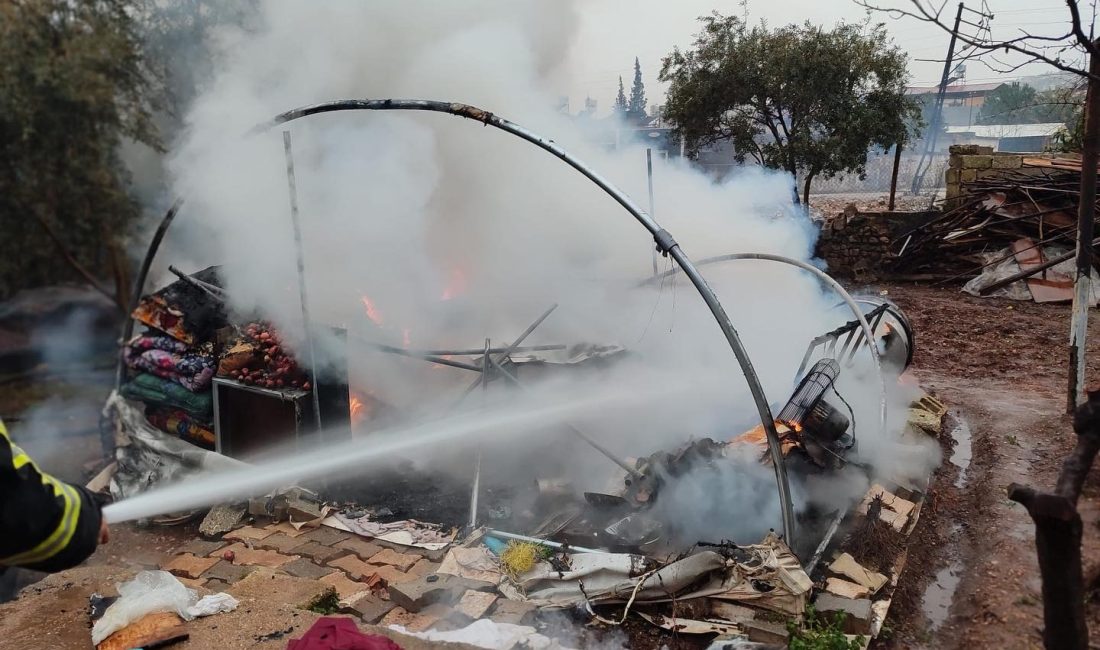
(73,84)
(620,99)
(636,106)
(801,98)
(1011,103)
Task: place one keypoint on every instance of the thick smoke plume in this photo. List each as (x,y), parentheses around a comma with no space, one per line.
(432,231)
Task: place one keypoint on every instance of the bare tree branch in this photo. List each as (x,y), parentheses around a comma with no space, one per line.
(1075,18)
(1027,45)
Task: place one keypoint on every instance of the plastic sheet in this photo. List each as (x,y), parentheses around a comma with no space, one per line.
(148,593)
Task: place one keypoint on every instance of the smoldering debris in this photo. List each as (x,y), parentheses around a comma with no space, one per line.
(691,522)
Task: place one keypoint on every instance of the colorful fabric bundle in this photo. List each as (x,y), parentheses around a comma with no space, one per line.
(178,422)
(184,311)
(165,392)
(163,357)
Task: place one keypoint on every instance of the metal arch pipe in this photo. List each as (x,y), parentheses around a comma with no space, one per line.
(139,281)
(664,240)
(827,280)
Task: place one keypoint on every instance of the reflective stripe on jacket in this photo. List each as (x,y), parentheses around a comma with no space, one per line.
(45,524)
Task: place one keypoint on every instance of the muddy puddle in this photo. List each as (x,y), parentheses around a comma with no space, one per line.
(940,593)
(962,451)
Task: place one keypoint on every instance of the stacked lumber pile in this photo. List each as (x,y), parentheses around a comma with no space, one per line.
(1037,202)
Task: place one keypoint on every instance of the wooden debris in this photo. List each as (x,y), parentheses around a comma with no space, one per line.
(152,630)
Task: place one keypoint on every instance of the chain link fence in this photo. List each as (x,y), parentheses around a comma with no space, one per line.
(880,168)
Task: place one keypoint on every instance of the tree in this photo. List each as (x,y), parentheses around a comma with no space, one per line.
(636,107)
(620,99)
(1011,103)
(73,83)
(800,98)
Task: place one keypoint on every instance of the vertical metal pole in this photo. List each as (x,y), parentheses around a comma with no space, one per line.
(485,369)
(649,178)
(1086,213)
(894,176)
(937,113)
(293,188)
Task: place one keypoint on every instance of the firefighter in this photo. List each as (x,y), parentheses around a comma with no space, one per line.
(45,524)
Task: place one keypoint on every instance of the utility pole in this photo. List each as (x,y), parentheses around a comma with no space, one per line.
(1086,213)
(925,161)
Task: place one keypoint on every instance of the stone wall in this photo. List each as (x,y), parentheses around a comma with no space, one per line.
(857,245)
(970,162)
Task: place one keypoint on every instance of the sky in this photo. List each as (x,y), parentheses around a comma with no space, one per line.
(613,32)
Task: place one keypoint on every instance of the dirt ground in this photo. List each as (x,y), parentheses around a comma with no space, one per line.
(971,580)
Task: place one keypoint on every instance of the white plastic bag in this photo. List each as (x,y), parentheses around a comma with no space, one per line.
(149,592)
(213,604)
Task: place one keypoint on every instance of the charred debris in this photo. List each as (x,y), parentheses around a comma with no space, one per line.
(201,379)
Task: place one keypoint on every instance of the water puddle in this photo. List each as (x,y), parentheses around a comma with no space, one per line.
(961,454)
(940,593)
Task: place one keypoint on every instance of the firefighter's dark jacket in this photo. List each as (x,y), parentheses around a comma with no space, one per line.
(45,524)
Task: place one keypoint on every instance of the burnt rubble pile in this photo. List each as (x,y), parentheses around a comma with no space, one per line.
(1007,228)
(417,549)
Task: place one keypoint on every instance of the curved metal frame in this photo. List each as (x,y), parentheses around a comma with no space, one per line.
(831,283)
(664,240)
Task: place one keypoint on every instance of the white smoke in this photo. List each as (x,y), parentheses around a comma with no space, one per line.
(406,209)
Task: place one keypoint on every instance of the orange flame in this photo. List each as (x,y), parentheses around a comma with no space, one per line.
(372,311)
(359,409)
(456,284)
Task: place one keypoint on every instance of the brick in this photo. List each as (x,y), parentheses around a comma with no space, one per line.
(267,586)
(514,612)
(319,553)
(393,558)
(845,588)
(367,606)
(216,585)
(951,176)
(286,529)
(344,586)
(200,547)
(766,632)
(364,549)
(984,150)
(968,175)
(248,533)
(846,565)
(977,162)
(189,566)
(227,572)
(474,604)
(258,557)
(280,542)
(1008,162)
(963,149)
(422,568)
(303,568)
(416,594)
(191,583)
(354,567)
(435,556)
(414,621)
(390,574)
(326,535)
(396,616)
(858,612)
(955,161)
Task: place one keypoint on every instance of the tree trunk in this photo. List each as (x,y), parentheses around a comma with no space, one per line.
(795,198)
(1058,532)
(806,190)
